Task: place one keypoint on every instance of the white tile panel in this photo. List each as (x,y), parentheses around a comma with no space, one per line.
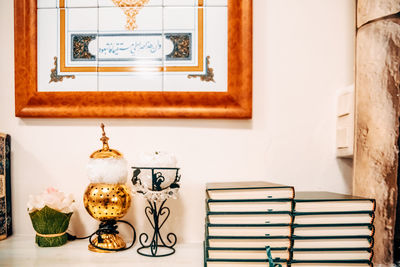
(215,45)
(47,3)
(48,48)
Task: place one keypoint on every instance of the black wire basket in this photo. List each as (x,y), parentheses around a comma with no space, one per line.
(156,211)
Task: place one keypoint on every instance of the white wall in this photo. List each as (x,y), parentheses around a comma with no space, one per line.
(303,54)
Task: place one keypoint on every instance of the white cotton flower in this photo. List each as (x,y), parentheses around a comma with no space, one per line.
(53,199)
(157,159)
(109,170)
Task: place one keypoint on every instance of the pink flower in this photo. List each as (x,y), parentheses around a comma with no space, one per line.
(53,199)
(51,190)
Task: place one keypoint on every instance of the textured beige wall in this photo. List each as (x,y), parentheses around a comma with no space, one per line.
(377,114)
(368,10)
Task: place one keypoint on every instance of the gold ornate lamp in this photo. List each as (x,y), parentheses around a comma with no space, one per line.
(107,198)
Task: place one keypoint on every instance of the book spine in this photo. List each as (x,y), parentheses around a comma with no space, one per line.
(372,227)
(372,254)
(205,254)
(291,234)
(5,186)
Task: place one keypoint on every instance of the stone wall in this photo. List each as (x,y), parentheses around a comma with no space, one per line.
(377,115)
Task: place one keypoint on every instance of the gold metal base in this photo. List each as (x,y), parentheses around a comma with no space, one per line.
(110,241)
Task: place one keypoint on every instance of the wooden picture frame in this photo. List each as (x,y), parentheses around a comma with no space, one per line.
(235,103)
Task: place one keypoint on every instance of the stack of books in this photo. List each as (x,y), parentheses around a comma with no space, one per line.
(248,224)
(332,229)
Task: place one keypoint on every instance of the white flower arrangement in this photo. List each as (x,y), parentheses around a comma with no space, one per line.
(51,198)
(157,159)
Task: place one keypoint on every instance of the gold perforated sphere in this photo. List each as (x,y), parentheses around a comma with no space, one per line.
(107,201)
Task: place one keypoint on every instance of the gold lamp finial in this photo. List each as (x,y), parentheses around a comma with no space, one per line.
(104,139)
(106,151)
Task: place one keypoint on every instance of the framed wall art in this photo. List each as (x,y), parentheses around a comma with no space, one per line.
(133,58)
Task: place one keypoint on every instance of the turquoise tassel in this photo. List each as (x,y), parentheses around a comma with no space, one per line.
(270,259)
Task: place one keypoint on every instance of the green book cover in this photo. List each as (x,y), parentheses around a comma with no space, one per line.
(340,264)
(208,212)
(263,237)
(337,218)
(298,237)
(249,230)
(333,230)
(371,226)
(323,197)
(245,249)
(333,243)
(332,249)
(276,254)
(248,237)
(5,186)
(318,196)
(249,205)
(335,261)
(371,213)
(249,200)
(248,190)
(245,212)
(244,185)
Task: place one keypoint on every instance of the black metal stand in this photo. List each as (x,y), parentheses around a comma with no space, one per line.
(157,216)
(157,246)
